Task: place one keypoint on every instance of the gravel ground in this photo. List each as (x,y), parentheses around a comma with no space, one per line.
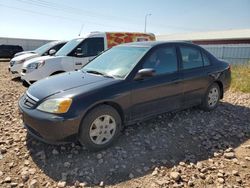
(190,148)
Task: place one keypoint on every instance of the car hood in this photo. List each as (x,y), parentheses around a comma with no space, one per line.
(67,81)
(25,56)
(23,52)
(41,58)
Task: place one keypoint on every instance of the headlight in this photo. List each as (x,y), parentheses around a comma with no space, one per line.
(57,106)
(35,65)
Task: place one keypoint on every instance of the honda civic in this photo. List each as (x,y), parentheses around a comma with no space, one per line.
(124,85)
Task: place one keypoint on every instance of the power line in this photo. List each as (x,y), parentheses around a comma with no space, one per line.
(73,10)
(60,17)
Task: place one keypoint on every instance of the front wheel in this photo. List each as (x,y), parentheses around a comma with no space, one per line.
(211,98)
(100,128)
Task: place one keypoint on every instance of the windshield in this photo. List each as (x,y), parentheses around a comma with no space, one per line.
(116,62)
(68,47)
(41,50)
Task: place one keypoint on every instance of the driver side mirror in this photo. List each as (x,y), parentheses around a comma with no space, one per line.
(78,52)
(144,73)
(52,51)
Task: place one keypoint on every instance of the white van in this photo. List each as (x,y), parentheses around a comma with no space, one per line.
(50,48)
(77,53)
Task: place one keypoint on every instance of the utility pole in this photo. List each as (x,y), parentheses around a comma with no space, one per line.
(145,26)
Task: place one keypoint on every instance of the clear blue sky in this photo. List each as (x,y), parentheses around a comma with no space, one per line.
(62,19)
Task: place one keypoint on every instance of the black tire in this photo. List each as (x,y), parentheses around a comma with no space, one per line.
(206,105)
(84,132)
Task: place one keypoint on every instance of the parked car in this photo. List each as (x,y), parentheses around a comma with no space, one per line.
(124,85)
(50,48)
(76,53)
(8,51)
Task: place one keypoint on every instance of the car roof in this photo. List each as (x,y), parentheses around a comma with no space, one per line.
(154,43)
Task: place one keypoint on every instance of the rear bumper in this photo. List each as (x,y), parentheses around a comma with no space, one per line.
(49,128)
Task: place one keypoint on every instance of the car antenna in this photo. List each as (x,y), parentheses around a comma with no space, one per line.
(81,30)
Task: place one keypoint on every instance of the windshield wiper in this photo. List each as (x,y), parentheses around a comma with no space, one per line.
(99,73)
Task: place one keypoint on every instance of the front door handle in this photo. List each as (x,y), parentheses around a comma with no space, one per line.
(78,63)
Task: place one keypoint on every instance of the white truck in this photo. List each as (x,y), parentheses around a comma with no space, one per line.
(50,48)
(76,53)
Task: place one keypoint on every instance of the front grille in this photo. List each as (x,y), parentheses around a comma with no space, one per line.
(29,101)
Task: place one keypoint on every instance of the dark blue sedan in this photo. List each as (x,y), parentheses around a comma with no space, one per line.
(124,85)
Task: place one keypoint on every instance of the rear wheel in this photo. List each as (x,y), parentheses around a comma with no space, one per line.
(211,98)
(100,128)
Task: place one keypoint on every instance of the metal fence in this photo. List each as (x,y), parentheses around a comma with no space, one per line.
(234,54)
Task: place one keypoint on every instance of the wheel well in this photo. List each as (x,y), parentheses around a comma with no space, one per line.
(118,109)
(112,104)
(57,72)
(221,88)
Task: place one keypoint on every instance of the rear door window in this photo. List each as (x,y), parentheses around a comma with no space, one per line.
(191,57)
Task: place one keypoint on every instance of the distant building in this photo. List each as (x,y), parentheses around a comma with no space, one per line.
(27,44)
(230,45)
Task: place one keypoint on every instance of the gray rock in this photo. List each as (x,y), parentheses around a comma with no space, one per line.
(99,156)
(229,155)
(7,179)
(190,183)
(61,184)
(3,150)
(100,161)
(64,176)
(221,180)
(175,176)
(66,164)
(247,158)
(33,184)
(101,184)
(235,172)
(131,176)
(202,176)
(25,176)
(13,184)
(238,180)
(209,179)
(55,152)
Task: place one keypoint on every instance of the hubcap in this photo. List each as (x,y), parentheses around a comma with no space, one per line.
(102,129)
(213,97)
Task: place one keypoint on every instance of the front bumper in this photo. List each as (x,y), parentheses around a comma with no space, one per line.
(16,69)
(49,128)
(30,77)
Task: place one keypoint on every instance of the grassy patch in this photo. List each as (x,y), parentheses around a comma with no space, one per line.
(240,78)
